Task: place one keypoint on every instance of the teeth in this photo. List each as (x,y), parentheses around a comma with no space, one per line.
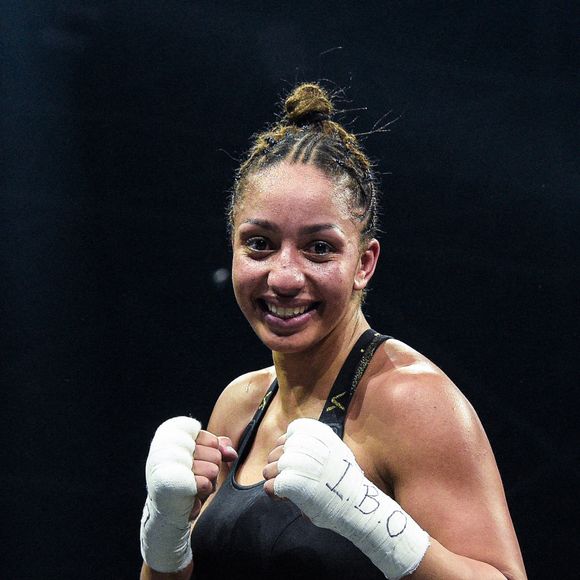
(282,312)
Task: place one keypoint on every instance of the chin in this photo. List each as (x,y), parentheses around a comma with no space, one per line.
(290,344)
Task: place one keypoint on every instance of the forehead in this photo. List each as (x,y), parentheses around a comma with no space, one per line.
(296,191)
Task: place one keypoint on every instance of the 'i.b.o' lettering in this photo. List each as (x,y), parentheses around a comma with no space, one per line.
(369,504)
(396,523)
(333,487)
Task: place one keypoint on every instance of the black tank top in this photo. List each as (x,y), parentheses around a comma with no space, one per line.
(245,534)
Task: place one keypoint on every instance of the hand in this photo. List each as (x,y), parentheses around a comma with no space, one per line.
(315,469)
(309,465)
(210,453)
(181,472)
(271,470)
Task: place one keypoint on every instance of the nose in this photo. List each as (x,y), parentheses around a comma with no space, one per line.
(286,277)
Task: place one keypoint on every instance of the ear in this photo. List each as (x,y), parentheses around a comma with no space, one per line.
(367,264)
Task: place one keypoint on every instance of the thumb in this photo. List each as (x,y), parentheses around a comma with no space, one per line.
(226,449)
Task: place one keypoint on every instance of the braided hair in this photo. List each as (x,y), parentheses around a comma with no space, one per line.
(307,134)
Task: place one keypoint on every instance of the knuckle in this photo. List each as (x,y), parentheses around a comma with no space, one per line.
(215,456)
(208,439)
(206,469)
(208,454)
(213,470)
(204,486)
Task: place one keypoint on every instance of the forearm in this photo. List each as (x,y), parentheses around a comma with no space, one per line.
(149,574)
(319,474)
(440,563)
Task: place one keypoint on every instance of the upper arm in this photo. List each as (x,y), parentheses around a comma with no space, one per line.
(444,473)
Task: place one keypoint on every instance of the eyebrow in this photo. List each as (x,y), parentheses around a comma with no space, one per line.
(312,229)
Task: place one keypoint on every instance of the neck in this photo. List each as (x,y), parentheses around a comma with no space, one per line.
(306,378)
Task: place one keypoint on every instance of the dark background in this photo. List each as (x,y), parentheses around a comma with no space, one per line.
(118,124)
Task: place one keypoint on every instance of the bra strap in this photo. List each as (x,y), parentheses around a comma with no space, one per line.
(350,374)
(340,395)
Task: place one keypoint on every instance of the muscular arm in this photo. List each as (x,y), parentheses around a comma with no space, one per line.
(445,476)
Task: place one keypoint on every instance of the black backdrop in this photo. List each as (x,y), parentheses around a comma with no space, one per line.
(119,121)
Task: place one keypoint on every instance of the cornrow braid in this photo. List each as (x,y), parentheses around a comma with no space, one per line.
(307,134)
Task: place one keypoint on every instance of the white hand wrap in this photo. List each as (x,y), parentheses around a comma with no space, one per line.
(165,525)
(319,474)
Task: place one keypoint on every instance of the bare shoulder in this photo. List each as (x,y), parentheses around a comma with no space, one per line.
(433,450)
(416,396)
(238,402)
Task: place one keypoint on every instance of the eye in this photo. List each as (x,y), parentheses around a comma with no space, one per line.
(320,248)
(258,244)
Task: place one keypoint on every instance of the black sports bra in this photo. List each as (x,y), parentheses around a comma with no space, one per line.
(245,534)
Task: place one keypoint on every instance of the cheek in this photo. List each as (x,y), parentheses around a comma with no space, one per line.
(245,275)
(237,278)
(337,282)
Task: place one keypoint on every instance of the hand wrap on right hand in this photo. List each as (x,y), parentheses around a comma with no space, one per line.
(171,487)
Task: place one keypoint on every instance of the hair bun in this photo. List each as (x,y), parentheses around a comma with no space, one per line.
(308,103)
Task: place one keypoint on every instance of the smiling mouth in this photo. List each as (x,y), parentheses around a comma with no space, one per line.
(284,312)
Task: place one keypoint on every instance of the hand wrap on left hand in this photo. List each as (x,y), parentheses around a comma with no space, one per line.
(320,475)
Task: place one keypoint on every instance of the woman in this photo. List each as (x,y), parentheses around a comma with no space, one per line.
(358,457)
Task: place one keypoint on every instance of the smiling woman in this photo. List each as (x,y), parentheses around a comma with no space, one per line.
(298,267)
(356,456)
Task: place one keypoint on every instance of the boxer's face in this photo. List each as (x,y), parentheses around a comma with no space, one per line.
(298,267)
